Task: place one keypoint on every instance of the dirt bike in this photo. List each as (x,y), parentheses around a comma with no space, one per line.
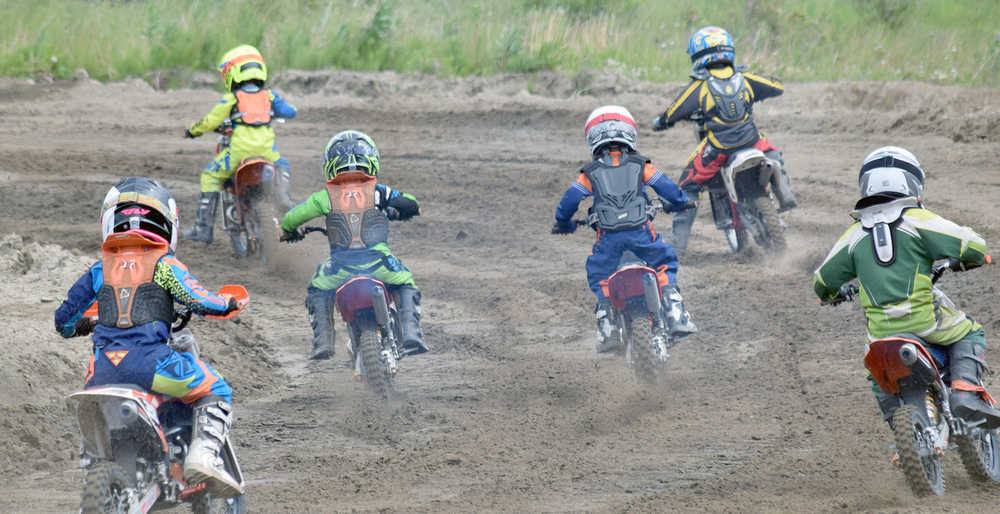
(242,195)
(639,313)
(916,374)
(375,342)
(741,204)
(135,441)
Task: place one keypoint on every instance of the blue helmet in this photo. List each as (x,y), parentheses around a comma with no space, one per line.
(710,44)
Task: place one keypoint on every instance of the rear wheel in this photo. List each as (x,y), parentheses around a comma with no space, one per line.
(646,362)
(774,237)
(917,455)
(374,371)
(208,504)
(105,490)
(980,455)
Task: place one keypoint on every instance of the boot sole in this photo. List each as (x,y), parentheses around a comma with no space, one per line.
(219,487)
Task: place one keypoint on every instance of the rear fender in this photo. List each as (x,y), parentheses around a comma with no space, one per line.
(102,409)
(887,368)
(252,171)
(741,161)
(629,282)
(362,293)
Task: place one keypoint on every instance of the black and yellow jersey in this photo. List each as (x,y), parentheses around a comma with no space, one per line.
(721,99)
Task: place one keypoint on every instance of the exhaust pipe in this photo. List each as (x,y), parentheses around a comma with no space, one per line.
(380,307)
(917,363)
(651,291)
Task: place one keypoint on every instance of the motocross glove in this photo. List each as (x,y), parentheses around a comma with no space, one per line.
(84,326)
(291,236)
(660,123)
(188,134)
(563,227)
(232,306)
(846,293)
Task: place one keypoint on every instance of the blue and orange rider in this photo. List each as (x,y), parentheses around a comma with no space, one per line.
(617,179)
(136,283)
(250,107)
(720,98)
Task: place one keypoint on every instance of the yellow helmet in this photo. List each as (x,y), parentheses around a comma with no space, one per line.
(241,64)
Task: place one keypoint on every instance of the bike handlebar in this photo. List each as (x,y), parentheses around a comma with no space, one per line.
(848,291)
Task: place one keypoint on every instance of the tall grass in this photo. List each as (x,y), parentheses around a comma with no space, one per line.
(799,40)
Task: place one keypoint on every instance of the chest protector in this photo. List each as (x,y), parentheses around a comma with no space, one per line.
(129,297)
(252,108)
(732,99)
(619,191)
(354,220)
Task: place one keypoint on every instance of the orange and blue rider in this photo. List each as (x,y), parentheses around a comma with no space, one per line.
(617,179)
(720,98)
(136,283)
(250,107)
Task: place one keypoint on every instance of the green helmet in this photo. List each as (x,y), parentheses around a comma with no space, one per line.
(241,64)
(350,150)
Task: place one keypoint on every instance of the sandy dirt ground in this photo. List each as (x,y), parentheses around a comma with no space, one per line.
(765,410)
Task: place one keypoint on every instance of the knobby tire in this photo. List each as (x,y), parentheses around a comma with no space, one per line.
(769,218)
(373,371)
(980,455)
(647,365)
(105,489)
(924,475)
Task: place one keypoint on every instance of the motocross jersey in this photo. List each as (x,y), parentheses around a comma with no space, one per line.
(674,198)
(129,296)
(247,139)
(619,191)
(359,220)
(890,250)
(353,220)
(724,98)
(168,274)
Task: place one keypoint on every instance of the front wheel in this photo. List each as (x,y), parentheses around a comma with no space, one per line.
(374,370)
(645,359)
(738,239)
(980,455)
(917,455)
(106,490)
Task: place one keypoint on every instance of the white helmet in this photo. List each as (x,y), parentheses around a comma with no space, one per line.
(610,123)
(889,173)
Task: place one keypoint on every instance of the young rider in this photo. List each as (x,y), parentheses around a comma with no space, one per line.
(250,107)
(357,227)
(617,179)
(720,98)
(890,250)
(135,301)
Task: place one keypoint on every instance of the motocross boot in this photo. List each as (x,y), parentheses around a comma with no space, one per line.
(968,397)
(606,340)
(208,205)
(240,248)
(319,303)
(681,230)
(781,186)
(678,319)
(282,184)
(212,418)
(409,318)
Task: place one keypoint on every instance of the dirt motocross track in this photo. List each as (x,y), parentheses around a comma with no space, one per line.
(766,409)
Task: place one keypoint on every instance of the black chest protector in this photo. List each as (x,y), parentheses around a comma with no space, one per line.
(129,297)
(354,221)
(732,99)
(619,191)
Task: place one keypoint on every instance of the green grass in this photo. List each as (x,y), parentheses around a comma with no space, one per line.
(797,40)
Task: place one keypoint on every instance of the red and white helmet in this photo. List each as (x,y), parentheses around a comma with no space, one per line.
(608,124)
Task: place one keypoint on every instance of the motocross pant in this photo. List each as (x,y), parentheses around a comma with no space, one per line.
(157,368)
(644,242)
